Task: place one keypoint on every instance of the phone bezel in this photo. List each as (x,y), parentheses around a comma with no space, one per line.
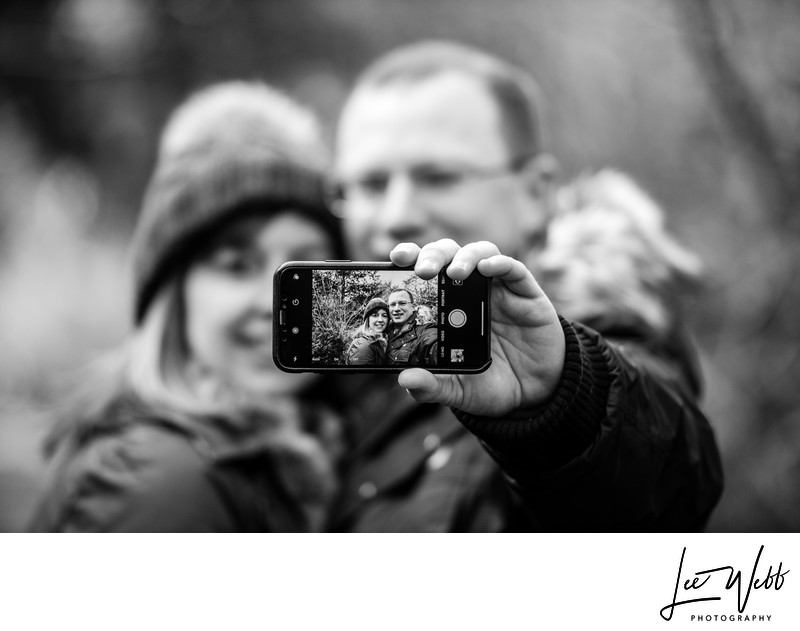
(278,305)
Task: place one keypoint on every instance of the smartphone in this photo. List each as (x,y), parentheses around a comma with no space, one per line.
(442,325)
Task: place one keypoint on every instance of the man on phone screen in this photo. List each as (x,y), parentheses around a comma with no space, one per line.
(410,343)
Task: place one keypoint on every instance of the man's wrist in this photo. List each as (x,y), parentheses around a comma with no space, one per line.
(547,436)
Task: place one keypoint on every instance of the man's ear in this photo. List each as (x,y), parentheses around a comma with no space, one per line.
(540,178)
(541,174)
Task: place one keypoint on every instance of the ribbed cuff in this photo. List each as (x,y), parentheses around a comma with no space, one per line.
(552,435)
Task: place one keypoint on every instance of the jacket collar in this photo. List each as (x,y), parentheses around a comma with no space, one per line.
(407,326)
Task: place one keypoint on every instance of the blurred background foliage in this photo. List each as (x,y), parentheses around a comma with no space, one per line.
(337,313)
(697,99)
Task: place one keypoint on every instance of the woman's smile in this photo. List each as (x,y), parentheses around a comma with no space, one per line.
(378,321)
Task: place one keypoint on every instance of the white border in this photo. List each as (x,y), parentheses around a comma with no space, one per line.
(380,582)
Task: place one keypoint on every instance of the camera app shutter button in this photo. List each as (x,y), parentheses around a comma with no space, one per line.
(457,318)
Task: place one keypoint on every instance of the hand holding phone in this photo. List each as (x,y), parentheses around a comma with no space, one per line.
(528,346)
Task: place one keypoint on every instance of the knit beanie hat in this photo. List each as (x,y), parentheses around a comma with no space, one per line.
(374,305)
(236,145)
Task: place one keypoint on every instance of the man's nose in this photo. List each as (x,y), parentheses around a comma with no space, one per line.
(401,215)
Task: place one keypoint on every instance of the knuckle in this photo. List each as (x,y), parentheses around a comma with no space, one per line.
(449,243)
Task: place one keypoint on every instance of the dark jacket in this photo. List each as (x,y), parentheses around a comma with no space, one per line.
(146,473)
(412,344)
(366,351)
(621,447)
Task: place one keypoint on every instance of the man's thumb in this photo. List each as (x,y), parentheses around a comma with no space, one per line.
(422,385)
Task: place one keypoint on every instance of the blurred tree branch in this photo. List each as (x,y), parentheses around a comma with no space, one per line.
(776,182)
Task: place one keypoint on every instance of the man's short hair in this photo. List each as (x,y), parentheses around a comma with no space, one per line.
(514,90)
(394,290)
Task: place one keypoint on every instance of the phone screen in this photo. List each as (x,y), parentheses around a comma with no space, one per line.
(363,317)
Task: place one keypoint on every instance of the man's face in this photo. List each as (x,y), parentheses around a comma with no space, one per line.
(427,160)
(400,307)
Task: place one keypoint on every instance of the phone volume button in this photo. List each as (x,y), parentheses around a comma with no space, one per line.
(338,261)
(282,317)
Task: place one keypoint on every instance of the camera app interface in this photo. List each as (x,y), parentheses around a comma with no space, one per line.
(363,317)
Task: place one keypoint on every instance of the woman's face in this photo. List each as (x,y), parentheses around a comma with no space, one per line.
(228,298)
(377,321)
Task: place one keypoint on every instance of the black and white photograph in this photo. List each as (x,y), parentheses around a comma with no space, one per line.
(625,176)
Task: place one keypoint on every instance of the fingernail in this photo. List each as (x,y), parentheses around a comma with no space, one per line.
(398,250)
(426,266)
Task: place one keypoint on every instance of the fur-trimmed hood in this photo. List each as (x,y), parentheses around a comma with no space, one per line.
(608,257)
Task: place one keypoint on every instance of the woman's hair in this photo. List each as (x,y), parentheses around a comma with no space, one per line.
(151,367)
(158,360)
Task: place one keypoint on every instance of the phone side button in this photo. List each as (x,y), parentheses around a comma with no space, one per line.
(338,261)
(282,317)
